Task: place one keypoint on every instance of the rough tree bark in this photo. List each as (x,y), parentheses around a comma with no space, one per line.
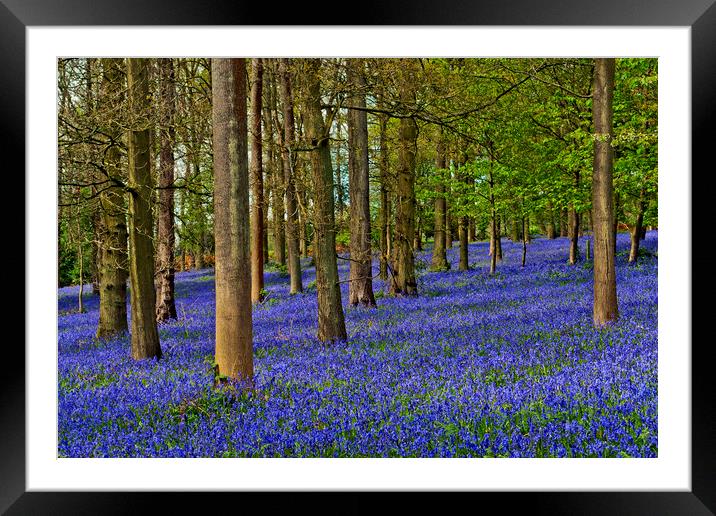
(257,183)
(166,308)
(439,259)
(360,286)
(289,159)
(605,285)
(331,323)
(384,205)
(234,348)
(403,281)
(113,247)
(144,335)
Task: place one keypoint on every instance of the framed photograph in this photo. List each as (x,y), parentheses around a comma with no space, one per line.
(682,36)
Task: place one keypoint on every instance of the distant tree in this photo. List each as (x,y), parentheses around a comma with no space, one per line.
(439,259)
(605,284)
(144,335)
(234,347)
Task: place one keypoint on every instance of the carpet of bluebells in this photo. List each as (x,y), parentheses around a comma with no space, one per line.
(477,365)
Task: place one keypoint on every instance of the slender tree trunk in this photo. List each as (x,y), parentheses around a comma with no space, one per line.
(439,259)
(636,230)
(471,234)
(498,238)
(257,183)
(331,324)
(340,196)
(525,237)
(384,206)
(360,286)
(166,308)
(563,223)
(80,258)
(573,235)
(289,160)
(403,262)
(493,239)
(551,233)
(615,221)
(234,347)
(144,335)
(462,232)
(605,285)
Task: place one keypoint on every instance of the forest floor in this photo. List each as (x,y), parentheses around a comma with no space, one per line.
(477,365)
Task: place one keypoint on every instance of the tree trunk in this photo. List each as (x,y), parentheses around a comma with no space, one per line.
(636,230)
(384,206)
(573,235)
(403,260)
(234,347)
(113,240)
(360,286)
(471,233)
(166,308)
(199,256)
(563,225)
(144,335)
(439,259)
(462,232)
(493,240)
(498,238)
(605,285)
(340,196)
(551,233)
(525,237)
(331,324)
(257,183)
(289,160)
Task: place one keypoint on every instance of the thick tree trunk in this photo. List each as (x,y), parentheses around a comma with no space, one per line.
(439,259)
(166,308)
(605,285)
(360,286)
(113,271)
(331,323)
(289,160)
(234,348)
(403,260)
(144,335)
(257,183)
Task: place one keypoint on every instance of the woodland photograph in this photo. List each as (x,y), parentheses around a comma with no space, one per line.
(357,257)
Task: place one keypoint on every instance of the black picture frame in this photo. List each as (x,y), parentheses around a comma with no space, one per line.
(699,15)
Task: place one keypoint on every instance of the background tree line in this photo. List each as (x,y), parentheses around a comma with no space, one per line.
(166,164)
